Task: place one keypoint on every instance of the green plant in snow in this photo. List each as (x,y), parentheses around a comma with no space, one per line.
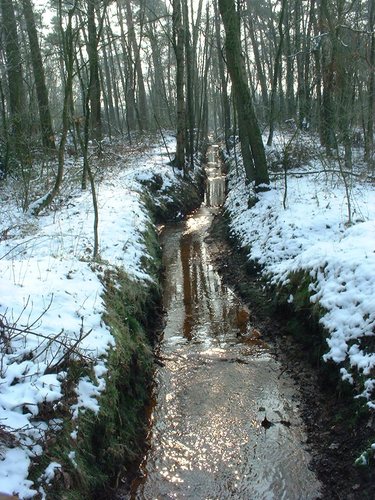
(367,457)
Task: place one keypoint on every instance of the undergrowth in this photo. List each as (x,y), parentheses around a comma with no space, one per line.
(106,444)
(109,444)
(174,202)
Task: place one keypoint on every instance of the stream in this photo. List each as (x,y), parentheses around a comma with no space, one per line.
(225,422)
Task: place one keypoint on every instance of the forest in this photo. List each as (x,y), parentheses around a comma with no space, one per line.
(108,110)
(87,71)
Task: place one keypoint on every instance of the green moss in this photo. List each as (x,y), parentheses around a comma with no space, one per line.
(111,442)
(108,443)
(367,456)
(303,324)
(177,200)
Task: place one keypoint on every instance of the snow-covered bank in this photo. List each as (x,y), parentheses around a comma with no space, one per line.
(311,235)
(51,303)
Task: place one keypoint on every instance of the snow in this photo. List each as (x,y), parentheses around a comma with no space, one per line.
(51,293)
(312,235)
(13,473)
(72,458)
(49,472)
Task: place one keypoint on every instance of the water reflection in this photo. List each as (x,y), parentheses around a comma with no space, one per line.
(218,385)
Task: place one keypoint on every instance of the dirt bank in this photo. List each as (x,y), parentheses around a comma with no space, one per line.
(337,431)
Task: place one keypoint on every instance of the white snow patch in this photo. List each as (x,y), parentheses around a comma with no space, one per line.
(51,300)
(14,466)
(49,473)
(72,458)
(311,235)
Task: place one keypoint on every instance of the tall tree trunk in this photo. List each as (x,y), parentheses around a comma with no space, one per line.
(369,145)
(5,131)
(290,104)
(196,40)
(158,93)
(178,45)
(17,99)
(40,82)
(142,107)
(107,127)
(189,86)
(276,73)
(112,121)
(317,74)
(128,80)
(203,115)
(300,65)
(113,59)
(245,109)
(223,81)
(94,83)
(69,41)
(257,58)
(307,64)
(327,111)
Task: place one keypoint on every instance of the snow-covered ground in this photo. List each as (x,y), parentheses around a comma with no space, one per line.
(51,293)
(312,234)
(51,301)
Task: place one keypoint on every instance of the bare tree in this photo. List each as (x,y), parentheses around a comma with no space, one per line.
(94,80)
(68,40)
(369,144)
(251,140)
(48,138)
(17,97)
(276,73)
(178,46)
(225,103)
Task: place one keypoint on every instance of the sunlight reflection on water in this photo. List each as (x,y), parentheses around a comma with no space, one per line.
(218,385)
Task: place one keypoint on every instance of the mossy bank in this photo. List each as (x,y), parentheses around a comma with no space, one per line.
(108,444)
(340,426)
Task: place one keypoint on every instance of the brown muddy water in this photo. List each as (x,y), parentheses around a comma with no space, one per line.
(225,421)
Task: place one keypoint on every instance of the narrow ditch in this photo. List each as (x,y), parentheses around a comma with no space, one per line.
(225,420)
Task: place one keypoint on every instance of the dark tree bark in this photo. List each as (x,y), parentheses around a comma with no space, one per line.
(5,131)
(276,73)
(68,41)
(196,39)
(112,119)
(158,92)
(307,105)
(289,93)
(116,78)
(17,99)
(369,144)
(178,45)
(246,114)
(257,58)
(299,51)
(128,78)
(40,82)
(327,112)
(339,80)
(142,98)
(223,81)
(202,135)
(318,84)
(189,86)
(94,82)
